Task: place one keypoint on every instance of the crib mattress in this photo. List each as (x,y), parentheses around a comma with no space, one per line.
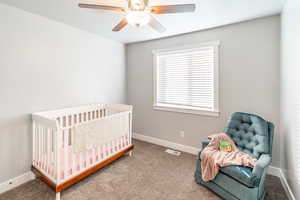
(76,161)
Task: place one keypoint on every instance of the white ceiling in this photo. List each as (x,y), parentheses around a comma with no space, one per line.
(209,14)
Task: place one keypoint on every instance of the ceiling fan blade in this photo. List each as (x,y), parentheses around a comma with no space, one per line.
(156,25)
(101,7)
(120,25)
(173,9)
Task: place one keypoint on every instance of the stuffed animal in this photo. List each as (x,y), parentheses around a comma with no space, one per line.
(225,146)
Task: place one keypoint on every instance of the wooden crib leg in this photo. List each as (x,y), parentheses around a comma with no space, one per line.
(57,196)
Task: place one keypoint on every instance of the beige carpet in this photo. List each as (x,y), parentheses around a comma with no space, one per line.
(150,174)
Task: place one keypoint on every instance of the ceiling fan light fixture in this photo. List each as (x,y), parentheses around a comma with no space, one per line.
(137,4)
(138,18)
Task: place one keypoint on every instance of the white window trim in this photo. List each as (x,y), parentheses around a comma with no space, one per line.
(188,109)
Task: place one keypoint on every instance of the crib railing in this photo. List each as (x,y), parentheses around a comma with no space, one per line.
(53,139)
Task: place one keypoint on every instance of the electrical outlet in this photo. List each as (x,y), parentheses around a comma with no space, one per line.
(181,134)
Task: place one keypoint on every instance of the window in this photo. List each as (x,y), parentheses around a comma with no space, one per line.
(186,79)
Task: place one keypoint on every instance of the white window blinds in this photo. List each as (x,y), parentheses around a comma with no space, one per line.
(186,78)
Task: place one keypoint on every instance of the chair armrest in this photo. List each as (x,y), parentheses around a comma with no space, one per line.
(205,143)
(262,163)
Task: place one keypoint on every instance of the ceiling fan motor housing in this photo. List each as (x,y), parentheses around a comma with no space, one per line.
(138,18)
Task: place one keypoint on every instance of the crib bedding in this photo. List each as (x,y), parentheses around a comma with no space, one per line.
(87,135)
(81,160)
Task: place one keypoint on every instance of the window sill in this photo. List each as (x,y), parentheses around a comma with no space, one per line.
(186,110)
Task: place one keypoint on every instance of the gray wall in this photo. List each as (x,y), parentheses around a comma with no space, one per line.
(290,95)
(249,81)
(46,65)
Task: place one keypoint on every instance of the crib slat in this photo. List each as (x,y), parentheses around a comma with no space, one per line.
(69,132)
(48,150)
(93,157)
(58,140)
(87,159)
(52,153)
(81,161)
(37,144)
(116,145)
(33,143)
(74,158)
(113,147)
(75,118)
(59,121)
(105,152)
(74,163)
(64,121)
(65,149)
(99,153)
(40,146)
(43,148)
(108,149)
(70,120)
(120,144)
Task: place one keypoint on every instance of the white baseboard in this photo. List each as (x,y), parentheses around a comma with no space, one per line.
(14,182)
(165,143)
(275,171)
(286,186)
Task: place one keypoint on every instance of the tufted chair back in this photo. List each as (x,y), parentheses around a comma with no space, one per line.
(252,134)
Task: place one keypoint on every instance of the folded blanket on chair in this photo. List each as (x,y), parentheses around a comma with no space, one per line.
(212,158)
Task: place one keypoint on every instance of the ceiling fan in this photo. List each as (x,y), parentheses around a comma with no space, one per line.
(139,13)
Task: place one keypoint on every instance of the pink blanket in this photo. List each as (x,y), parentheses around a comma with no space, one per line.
(212,158)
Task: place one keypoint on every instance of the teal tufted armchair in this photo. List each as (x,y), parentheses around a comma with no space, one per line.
(254,136)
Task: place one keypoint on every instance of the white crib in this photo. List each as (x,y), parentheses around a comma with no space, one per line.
(54,159)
